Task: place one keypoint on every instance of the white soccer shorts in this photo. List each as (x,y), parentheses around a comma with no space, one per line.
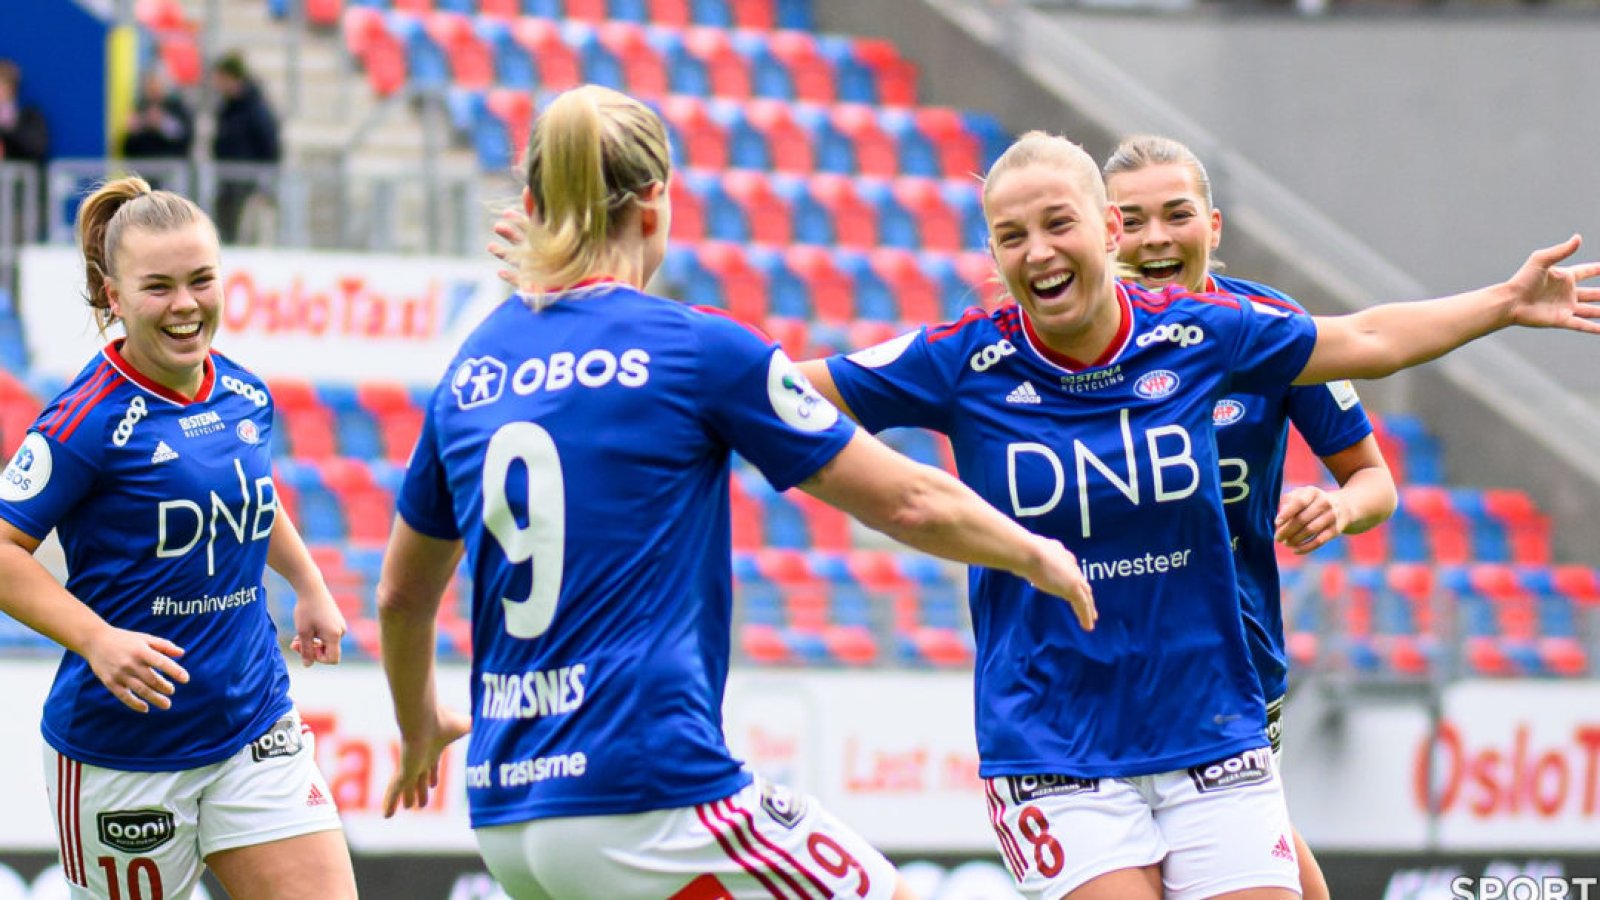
(147,834)
(1214,829)
(762,842)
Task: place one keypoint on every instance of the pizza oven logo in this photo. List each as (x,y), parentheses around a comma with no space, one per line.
(135,830)
(1157,384)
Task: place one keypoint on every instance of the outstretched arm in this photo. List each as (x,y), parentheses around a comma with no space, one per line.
(933,512)
(1384,339)
(1309,517)
(416,570)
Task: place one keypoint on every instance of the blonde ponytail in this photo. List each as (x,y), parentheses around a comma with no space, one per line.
(103,218)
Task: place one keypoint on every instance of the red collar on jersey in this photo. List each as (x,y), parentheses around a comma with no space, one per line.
(1124,326)
(113,354)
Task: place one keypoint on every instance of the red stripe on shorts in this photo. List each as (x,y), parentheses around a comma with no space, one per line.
(798,887)
(750,823)
(69,775)
(704,811)
(1008,842)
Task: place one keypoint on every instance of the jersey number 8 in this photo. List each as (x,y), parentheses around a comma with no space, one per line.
(543,539)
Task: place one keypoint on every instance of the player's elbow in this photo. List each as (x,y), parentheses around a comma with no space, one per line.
(920,506)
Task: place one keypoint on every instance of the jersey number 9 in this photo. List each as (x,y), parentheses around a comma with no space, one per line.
(543,539)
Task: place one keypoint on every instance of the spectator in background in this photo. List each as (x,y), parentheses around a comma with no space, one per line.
(247,132)
(24,137)
(161,127)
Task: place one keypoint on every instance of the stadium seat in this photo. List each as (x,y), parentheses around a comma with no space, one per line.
(513,110)
(831,149)
(851,80)
(368,507)
(766,212)
(675,13)
(592,11)
(831,291)
(598,64)
(991,137)
(427,66)
(959,150)
(747,144)
(705,140)
(686,73)
(368,39)
(727,67)
(559,66)
(916,295)
(915,151)
(896,77)
(897,226)
(788,296)
(755,15)
(399,420)
(307,424)
(769,75)
(855,222)
(471,61)
(938,226)
(788,144)
(744,287)
(964,200)
(356,430)
(644,69)
(810,73)
(874,298)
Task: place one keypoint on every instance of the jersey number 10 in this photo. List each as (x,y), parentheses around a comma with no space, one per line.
(543,540)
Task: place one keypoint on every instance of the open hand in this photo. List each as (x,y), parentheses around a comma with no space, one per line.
(1549,295)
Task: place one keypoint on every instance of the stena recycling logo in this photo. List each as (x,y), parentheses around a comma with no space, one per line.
(478,381)
(29,470)
(793,398)
(1157,384)
(1226,412)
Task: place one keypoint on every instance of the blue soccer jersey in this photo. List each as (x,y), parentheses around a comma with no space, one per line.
(1115,459)
(581,453)
(1252,433)
(164,507)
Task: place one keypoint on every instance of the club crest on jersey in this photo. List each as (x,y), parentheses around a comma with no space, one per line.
(1226,412)
(882,354)
(248,432)
(478,381)
(1157,384)
(793,398)
(29,470)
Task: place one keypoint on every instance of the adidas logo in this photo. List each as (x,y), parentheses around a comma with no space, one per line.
(163,453)
(316,797)
(1283,850)
(1024,393)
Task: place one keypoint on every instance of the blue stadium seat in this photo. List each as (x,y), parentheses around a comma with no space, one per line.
(769,75)
(968,204)
(1424,456)
(796,14)
(692,282)
(544,9)
(875,300)
(788,296)
(321,518)
(918,155)
(600,65)
(513,67)
(629,11)
(725,218)
(955,294)
(855,81)
(812,222)
(716,13)
(832,149)
(686,73)
(426,64)
(897,227)
(357,433)
(993,139)
(747,144)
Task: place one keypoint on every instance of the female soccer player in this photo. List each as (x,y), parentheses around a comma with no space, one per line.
(579,448)
(1169,229)
(1132,765)
(154,467)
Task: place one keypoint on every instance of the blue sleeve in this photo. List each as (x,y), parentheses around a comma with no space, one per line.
(1271,346)
(907,381)
(45,479)
(1329,416)
(755,400)
(424,501)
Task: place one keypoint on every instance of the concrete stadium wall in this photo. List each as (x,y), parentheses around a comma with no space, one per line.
(1454,146)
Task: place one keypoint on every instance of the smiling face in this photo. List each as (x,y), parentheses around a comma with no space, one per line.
(1052,240)
(166,292)
(1169,230)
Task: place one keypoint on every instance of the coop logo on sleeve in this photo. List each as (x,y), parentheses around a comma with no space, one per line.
(29,470)
(793,398)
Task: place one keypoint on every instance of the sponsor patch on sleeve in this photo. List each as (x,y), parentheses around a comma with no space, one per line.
(793,398)
(29,470)
(1344,394)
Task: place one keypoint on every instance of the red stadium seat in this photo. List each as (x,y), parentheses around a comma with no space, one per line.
(809,70)
(764,644)
(832,291)
(412,6)
(766,212)
(368,38)
(705,141)
(896,76)
(958,148)
(977,269)
(1563,656)
(368,508)
(938,226)
(793,335)
(728,69)
(916,294)
(500,9)
(755,15)
(1581,583)
(642,66)
(559,66)
(829,526)
(876,151)
(399,420)
(1487,656)
(471,63)
(514,109)
(744,287)
(784,566)
(674,13)
(851,644)
(942,647)
(790,144)
(1448,532)
(309,424)
(1527,529)
(855,222)
(585,10)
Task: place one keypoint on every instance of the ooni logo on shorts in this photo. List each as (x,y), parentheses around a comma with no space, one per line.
(1249,767)
(283,740)
(28,471)
(1034,787)
(793,398)
(135,830)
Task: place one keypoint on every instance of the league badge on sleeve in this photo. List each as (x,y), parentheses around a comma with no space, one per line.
(1344,394)
(879,355)
(29,470)
(793,398)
